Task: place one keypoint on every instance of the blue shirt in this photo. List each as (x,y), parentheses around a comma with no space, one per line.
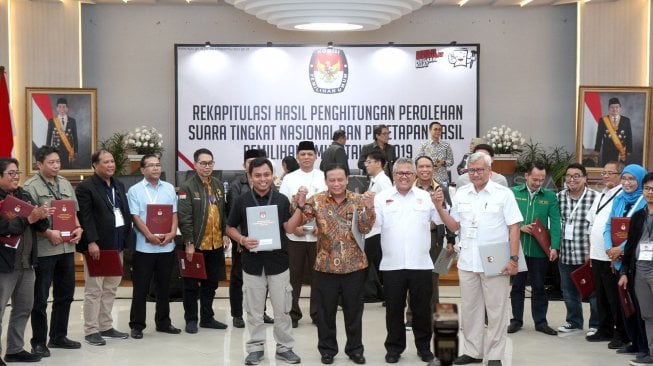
(140,195)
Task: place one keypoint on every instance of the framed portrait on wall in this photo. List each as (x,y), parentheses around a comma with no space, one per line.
(67,119)
(613,125)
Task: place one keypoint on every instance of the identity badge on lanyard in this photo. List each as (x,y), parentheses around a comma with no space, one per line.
(569,228)
(120,221)
(646,247)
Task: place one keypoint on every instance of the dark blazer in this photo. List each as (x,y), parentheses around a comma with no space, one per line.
(96,214)
(635,231)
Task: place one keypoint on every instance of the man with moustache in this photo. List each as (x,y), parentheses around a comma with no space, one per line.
(381,138)
(405,214)
(264,270)
(239,185)
(56,258)
(302,241)
(494,176)
(611,323)
(484,212)
(535,202)
(154,255)
(341,264)
(202,222)
(17,262)
(104,216)
(575,202)
(439,151)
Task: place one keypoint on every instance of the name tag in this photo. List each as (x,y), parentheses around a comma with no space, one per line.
(120,221)
(569,232)
(645,251)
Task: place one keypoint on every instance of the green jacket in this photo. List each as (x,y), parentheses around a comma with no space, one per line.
(543,205)
(192,209)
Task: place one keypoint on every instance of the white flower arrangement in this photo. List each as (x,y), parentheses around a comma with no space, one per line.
(505,140)
(145,140)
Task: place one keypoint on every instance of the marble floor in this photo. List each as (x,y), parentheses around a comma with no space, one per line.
(227,347)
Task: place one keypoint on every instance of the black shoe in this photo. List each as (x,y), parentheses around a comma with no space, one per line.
(212,324)
(22,356)
(267,319)
(616,344)
(513,327)
(65,343)
(629,348)
(2,363)
(238,322)
(327,359)
(295,323)
(191,326)
(494,363)
(95,339)
(170,329)
(466,360)
(41,350)
(113,333)
(357,358)
(136,333)
(426,356)
(391,358)
(597,337)
(546,330)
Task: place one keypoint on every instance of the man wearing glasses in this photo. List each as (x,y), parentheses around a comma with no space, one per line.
(485,213)
(381,138)
(202,222)
(575,202)
(494,176)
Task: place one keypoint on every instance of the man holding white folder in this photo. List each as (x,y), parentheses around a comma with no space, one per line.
(485,213)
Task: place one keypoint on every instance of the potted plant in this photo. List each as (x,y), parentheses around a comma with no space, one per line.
(116,146)
(555,160)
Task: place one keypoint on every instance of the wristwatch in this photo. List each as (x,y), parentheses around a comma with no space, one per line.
(514,258)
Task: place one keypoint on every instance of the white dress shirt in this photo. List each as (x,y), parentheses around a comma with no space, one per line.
(598,218)
(313,181)
(405,223)
(378,183)
(490,211)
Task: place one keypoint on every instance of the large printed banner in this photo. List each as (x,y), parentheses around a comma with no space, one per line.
(234,98)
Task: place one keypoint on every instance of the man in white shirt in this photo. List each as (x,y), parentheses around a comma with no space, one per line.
(611,324)
(484,212)
(302,242)
(494,176)
(374,163)
(404,214)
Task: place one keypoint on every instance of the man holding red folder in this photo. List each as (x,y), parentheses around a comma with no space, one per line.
(535,202)
(56,256)
(154,255)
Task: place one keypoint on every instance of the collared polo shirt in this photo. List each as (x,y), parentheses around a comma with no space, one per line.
(140,195)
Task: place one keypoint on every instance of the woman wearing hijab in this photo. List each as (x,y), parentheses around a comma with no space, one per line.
(626,203)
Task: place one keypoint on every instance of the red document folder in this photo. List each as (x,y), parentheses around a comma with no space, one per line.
(626,301)
(583,280)
(193,269)
(542,235)
(10,241)
(159,218)
(619,230)
(109,264)
(63,218)
(12,207)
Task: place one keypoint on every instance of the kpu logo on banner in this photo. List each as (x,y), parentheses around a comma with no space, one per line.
(424,57)
(328,71)
(462,57)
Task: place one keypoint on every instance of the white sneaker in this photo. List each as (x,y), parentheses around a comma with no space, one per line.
(568,328)
(591,332)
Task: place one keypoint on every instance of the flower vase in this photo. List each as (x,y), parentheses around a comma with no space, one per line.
(134,163)
(504,164)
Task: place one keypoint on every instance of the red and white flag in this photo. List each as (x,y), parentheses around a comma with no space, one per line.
(6,126)
(591,115)
(41,113)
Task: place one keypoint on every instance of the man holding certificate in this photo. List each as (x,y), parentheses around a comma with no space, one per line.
(342,218)
(153,205)
(262,215)
(56,254)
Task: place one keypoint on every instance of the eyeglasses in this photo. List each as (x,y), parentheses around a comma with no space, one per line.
(368,162)
(629,179)
(153,165)
(206,164)
(14,173)
(573,177)
(472,171)
(604,173)
(648,188)
(404,174)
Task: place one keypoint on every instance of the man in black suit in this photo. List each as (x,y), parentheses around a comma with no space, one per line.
(62,134)
(381,138)
(614,137)
(104,216)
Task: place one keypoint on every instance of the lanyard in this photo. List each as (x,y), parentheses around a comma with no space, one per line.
(113,193)
(251,191)
(47,185)
(600,207)
(148,193)
(573,211)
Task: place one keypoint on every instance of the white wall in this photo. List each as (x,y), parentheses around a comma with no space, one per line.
(527,77)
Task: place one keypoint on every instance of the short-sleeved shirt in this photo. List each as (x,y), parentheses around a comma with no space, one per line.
(491,210)
(140,195)
(275,261)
